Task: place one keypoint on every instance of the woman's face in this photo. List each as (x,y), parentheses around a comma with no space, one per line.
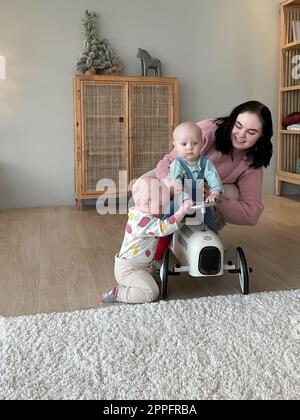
(247,130)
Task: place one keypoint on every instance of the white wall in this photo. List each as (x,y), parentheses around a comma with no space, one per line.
(224,52)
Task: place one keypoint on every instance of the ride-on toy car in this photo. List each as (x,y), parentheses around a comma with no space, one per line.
(200,253)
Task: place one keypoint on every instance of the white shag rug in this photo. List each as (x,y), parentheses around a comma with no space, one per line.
(230,347)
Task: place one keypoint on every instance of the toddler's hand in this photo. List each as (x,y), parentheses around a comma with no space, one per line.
(186,206)
(213,197)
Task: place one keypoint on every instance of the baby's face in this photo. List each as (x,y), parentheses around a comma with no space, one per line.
(188,142)
(152,197)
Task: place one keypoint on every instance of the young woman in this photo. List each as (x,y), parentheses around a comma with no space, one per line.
(240,146)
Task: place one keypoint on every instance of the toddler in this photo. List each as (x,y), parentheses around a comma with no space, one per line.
(133,263)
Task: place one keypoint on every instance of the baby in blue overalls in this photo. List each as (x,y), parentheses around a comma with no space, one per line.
(189,171)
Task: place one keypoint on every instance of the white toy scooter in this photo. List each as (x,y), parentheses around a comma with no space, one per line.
(200,253)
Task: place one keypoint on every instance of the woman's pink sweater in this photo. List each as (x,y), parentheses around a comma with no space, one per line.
(234,169)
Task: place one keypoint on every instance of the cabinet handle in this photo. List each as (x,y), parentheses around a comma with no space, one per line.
(121,119)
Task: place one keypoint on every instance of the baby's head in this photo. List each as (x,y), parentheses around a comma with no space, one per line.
(187,140)
(151,196)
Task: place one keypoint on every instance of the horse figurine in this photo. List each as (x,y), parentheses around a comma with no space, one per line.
(147,62)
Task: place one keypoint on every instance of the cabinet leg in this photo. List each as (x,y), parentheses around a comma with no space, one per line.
(278,186)
(79,204)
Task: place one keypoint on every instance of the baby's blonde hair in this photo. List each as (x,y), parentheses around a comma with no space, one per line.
(187,126)
(139,185)
(145,186)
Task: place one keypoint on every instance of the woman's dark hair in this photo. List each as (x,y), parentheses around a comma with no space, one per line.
(260,154)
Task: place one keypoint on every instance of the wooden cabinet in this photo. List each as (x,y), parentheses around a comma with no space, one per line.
(289,95)
(121,124)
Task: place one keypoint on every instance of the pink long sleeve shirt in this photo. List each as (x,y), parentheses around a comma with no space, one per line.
(234,169)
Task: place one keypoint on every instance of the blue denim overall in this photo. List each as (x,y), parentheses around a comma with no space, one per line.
(208,218)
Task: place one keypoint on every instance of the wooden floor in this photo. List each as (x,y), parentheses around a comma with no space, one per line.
(60,259)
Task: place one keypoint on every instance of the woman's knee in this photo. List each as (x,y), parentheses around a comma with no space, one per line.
(231,191)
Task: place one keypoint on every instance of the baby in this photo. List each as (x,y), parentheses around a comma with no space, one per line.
(192,165)
(144,227)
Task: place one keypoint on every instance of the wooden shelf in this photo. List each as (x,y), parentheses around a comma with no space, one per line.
(291,132)
(288,140)
(291,46)
(290,88)
(126,79)
(291,177)
(290,3)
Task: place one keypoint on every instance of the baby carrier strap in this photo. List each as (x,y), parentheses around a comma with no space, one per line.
(203,163)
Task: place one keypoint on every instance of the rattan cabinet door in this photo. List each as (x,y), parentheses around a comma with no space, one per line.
(151,125)
(105,132)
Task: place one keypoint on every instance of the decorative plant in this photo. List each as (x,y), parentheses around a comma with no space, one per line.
(98,56)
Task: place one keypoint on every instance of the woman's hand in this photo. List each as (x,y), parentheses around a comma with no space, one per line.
(219,221)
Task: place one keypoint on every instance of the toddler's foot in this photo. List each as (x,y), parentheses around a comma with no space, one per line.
(110,297)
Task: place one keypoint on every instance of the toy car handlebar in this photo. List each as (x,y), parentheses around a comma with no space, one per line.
(205,205)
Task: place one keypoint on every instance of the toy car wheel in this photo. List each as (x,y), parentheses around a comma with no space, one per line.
(243,271)
(164,273)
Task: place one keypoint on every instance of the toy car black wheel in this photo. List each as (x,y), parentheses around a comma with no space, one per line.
(242,270)
(164,273)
